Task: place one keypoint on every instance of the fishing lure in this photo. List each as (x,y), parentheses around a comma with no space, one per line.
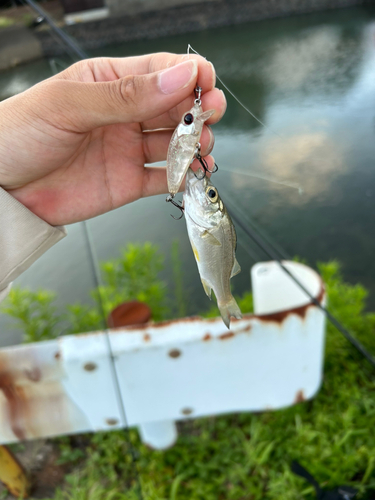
(184,145)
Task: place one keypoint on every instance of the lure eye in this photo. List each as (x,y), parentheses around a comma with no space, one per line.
(212,194)
(188,119)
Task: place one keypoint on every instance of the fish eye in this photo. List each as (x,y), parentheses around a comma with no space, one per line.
(188,119)
(212,194)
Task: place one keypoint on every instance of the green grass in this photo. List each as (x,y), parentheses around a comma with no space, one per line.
(132,276)
(5,22)
(248,456)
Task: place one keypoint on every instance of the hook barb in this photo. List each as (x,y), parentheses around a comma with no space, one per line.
(205,168)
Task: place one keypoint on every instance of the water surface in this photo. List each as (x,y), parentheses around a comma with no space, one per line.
(311,81)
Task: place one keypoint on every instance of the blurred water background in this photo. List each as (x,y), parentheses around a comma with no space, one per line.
(307,180)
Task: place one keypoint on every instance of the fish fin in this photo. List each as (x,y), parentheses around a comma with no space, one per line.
(209,238)
(207,288)
(236,268)
(228,309)
(206,115)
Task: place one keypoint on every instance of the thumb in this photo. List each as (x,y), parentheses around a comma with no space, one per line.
(134,98)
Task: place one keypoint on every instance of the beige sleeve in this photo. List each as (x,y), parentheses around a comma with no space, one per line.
(24,237)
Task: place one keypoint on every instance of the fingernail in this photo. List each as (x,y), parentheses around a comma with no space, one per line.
(212,140)
(225,102)
(225,98)
(178,77)
(213,72)
(213,164)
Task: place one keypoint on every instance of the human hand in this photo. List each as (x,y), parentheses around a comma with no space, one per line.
(75,146)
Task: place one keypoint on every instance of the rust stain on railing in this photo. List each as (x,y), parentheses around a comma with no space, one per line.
(301,311)
(300,397)
(17,408)
(30,389)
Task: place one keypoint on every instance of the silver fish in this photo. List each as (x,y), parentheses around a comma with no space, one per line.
(183,145)
(213,239)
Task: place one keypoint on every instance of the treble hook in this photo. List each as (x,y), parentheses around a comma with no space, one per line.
(204,164)
(170,199)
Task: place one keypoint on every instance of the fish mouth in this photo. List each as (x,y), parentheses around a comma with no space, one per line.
(194,186)
(190,181)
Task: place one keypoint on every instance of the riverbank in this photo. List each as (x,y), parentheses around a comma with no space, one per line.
(20,44)
(184,19)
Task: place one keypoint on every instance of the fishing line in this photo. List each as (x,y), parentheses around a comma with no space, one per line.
(66,47)
(61,33)
(67,44)
(292,185)
(285,183)
(98,284)
(273,253)
(235,97)
(252,252)
(95,271)
(275,245)
(267,247)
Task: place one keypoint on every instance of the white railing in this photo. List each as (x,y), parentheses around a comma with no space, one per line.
(170,371)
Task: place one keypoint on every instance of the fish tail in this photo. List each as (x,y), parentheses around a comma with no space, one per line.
(228,309)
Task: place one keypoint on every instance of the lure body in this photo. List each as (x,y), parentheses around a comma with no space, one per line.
(183,145)
(213,239)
